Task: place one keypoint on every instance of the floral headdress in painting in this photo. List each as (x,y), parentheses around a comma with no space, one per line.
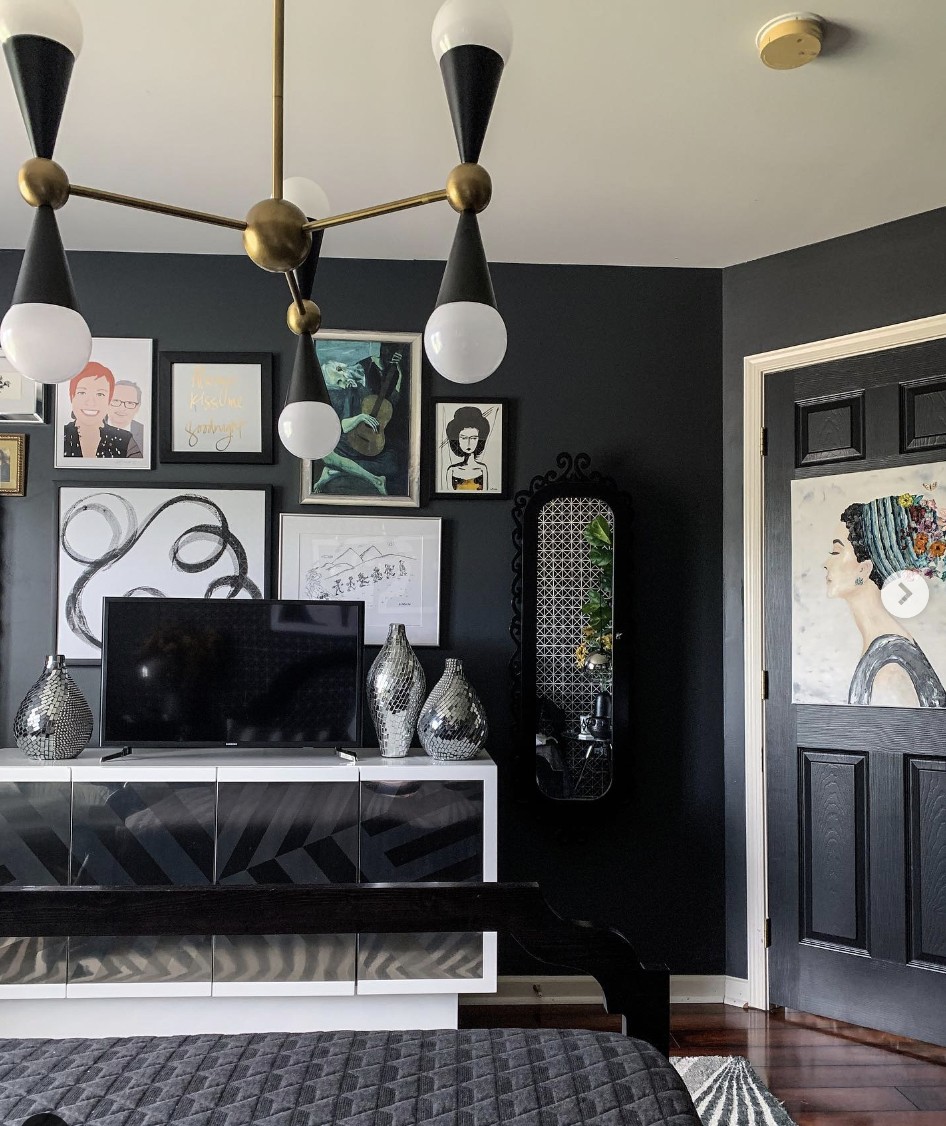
(899,533)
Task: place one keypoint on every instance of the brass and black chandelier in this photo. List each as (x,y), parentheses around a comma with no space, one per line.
(45,336)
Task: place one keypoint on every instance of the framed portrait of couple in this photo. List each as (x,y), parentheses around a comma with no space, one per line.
(104,415)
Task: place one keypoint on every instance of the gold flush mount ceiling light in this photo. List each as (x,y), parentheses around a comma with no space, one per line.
(790,41)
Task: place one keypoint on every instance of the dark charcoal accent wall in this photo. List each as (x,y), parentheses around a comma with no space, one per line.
(878,277)
(623,363)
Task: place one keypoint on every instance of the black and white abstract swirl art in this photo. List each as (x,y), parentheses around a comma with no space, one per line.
(153,543)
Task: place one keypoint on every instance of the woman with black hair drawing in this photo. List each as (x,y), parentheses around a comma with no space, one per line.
(467,433)
(872,542)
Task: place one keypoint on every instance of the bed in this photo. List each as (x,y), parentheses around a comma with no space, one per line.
(474,1077)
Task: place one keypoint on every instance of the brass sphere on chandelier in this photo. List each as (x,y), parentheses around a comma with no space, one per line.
(274,237)
(469,187)
(43,182)
(307,322)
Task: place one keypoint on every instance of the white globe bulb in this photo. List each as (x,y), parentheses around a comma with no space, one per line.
(47,343)
(465,340)
(309,429)
(307,195)
(50,19)
(485,23)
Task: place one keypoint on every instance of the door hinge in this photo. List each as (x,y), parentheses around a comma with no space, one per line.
(767,934)
(765,684)
(764,444)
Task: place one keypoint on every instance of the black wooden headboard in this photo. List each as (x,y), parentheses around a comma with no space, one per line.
(639,993)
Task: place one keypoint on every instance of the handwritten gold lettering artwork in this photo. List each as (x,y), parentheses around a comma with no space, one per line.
(217,407)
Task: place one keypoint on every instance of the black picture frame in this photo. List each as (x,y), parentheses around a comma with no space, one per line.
(508,418)
(166,362)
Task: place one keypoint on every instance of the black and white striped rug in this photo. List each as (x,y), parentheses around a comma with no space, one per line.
(727,1092)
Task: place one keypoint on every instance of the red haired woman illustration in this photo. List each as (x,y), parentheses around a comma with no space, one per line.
(89,434)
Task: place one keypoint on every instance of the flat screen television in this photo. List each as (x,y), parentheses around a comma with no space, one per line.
(196,672)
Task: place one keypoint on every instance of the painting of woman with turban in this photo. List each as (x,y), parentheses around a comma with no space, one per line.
(871,529)
(470,448)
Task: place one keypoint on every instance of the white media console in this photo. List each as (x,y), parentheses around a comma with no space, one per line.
(242,816)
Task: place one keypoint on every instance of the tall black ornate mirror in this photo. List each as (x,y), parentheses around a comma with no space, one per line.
(570,671)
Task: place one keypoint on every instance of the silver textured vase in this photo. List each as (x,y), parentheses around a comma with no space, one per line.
(54,721)
(396,687)
(453,723)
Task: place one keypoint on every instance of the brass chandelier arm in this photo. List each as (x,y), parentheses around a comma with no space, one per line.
(378,209)
(279,68)
(294,290)
(157,208)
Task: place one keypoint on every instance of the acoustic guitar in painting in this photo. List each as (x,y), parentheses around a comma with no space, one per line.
(363,439)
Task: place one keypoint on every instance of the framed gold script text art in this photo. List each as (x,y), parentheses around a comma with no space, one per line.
(216,406)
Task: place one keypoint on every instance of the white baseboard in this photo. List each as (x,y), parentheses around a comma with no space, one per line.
(701,989)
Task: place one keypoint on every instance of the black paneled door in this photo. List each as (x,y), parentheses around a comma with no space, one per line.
(855,556)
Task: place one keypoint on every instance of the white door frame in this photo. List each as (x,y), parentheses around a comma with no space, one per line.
(755,368)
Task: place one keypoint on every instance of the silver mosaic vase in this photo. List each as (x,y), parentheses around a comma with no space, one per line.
(54,721)
(396,687)
(453,723)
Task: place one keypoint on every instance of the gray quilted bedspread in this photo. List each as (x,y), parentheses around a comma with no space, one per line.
(476,1077)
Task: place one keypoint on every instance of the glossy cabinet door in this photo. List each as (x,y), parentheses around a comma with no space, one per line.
(286,832)
(34,852)
(142,831)
(420,831)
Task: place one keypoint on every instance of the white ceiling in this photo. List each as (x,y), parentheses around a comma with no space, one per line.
(624,133)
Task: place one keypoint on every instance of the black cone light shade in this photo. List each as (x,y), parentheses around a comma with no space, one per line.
(43,333)
(471,75)
(307,383)
(305,275)
(41,70)
(308,425)
(44,273)
(467,277)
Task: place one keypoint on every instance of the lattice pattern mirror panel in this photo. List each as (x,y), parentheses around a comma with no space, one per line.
(563,580)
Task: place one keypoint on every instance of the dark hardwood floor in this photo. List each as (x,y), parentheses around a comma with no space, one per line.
(825,1072)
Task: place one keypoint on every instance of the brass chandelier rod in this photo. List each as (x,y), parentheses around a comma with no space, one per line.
(437,196)
(158,208)
(279,70)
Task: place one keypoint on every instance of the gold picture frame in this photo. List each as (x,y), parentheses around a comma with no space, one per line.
(13,465)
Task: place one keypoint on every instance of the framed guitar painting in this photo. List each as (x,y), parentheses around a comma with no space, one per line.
(373,380)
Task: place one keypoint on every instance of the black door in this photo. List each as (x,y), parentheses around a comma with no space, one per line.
(855,556)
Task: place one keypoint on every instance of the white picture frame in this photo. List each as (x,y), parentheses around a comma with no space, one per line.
(392,564)
(121,376)
(471,446)
(22,400)
(127,541)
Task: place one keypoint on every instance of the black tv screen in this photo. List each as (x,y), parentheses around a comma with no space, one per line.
(194,672)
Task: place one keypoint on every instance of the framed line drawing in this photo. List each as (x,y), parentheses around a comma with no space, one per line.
(104,416)
(22,400)
(392,564)
(374,383)
(471,446)
(154,543)
(216,407)
(13,465)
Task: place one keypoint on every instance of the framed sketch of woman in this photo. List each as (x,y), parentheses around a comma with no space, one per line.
(471,437)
